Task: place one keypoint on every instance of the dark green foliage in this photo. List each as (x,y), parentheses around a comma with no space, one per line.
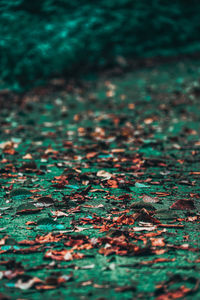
(48,38)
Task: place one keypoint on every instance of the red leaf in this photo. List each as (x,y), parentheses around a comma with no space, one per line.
(176,294)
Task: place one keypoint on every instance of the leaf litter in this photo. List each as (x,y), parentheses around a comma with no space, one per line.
(99,193)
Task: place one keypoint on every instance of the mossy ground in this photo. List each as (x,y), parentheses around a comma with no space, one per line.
(143,129)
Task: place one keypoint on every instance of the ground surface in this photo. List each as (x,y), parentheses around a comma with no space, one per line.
(118,161)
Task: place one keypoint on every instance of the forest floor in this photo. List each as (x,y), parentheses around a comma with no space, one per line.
(99,188)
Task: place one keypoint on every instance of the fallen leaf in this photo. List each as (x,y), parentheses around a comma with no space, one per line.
(183,204)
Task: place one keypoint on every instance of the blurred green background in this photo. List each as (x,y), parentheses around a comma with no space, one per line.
(48,38)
